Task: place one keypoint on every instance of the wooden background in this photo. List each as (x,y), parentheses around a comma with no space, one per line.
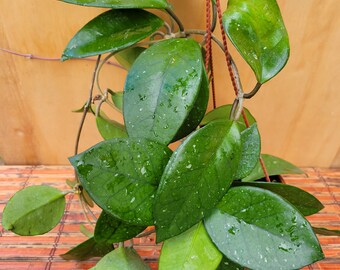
(298,111)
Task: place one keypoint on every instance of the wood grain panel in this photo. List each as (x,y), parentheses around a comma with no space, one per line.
(297,112)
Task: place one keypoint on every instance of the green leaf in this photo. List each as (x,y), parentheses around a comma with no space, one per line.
(122,176)
(305,202)
(251,148)
(197,176)
(223,113)
(259,230)
(82,109)
(111,230)
(274,166)
(117,99)
(112,31)
(86,250)
(110,129)
(159,99)
(192,249)
(115,4)
(85,231)
(121,258)
(128,56)
(196,114)
(227,264)
(326,232)
(34,210)
(257,31)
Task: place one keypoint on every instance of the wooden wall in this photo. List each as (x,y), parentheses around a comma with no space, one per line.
(298,111)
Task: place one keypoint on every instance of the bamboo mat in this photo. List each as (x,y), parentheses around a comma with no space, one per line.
(42,252)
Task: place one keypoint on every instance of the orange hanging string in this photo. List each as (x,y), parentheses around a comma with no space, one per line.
(231,74)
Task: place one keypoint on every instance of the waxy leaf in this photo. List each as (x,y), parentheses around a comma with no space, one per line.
(274,166)
(223,113)
(115,4)
(257,31)
(196,114)
(111,230)
(251,148)
(162,89)
(117,99)
(128,56)
(34,210)
(121,258)
(197,176)
(88,249)
(112,31)
(259,230)
(227,264)
(192,249)
(305,202)
(110,129)
(122,176)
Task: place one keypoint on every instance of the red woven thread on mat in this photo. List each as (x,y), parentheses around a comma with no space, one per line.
(232,77)
(60,230)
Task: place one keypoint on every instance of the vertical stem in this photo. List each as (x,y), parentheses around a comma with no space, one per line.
(87,106)
(208,56)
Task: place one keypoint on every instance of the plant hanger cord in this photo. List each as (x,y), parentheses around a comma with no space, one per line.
(229,65)
(208,55)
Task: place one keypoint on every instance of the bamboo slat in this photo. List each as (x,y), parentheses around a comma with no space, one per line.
(42,252)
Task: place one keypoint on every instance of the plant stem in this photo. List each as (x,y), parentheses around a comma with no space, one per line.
(253,92)
(214,19)
(87,106)
(35,57)
(177,20)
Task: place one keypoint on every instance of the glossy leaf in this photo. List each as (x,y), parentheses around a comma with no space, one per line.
(277,235)
(274,166)
(223,113)
(110,129)
(34,210)
(117,99)
(162,88)
(86,250)
(128,56)
(326,232)
(197,113)
(192,249)
(112,31)
(257,31)
(197,176)
(227,264)
(111,230)
(121,258)
(115,4)
(251,148)
(305,202)
(122,176)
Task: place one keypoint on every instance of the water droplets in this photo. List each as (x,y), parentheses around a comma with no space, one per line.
(143,170)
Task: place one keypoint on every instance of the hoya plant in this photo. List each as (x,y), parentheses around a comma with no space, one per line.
(209,197)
